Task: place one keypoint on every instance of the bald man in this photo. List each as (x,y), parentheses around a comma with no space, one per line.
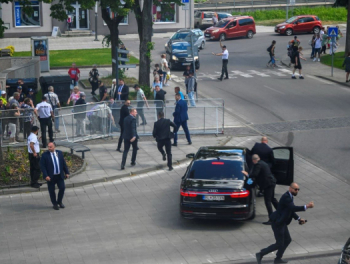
(281,218)
(264,151)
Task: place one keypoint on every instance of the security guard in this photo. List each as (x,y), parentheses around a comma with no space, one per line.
(45,114)
(34,157)
(224,55)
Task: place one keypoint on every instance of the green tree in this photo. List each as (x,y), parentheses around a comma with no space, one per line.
(346,4)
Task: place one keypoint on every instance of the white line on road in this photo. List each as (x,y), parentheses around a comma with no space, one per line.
(286,71)
(275,73)
(273,89)
(259,73)
(242,74)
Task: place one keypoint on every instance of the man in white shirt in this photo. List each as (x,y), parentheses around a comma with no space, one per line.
(52,99)
(224,55)
(34,157)
(45,114)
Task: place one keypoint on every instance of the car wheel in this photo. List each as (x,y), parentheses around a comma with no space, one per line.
(316,30)
(289,32)
(197,65)
(250,34)
(202,45)
(222,36)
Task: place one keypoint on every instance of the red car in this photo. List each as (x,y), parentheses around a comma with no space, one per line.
(300,24)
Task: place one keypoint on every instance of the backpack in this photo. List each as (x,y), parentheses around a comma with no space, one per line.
(269,48)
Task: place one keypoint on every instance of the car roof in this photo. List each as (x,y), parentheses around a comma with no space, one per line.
(223,13)
(237,17)
(225,152)
(188,30)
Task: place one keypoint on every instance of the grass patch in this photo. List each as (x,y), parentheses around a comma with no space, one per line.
(82,57)
(335,14)
(338,60)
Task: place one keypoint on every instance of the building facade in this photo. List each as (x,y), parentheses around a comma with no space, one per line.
(40,23)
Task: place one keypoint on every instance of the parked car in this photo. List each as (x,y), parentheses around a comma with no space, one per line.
(184,35)
(241,26)
(345,254)
(223,15)
(300,24)
(204,19)
(215,187)
(179,55)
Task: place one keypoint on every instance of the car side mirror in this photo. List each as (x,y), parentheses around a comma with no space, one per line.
(190,156)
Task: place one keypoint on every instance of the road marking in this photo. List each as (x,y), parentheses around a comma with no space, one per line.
(242,74)
(276,73)
(286,71)
(259,73)
(273,89)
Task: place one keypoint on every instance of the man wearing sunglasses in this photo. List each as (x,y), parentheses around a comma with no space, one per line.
(281,218)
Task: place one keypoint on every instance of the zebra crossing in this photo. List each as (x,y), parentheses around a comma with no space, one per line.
(238,74)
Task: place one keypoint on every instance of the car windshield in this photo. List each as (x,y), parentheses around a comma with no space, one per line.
(291,19)
(208,15)
(222,23)
(217,170)
(179,35)
(183,48)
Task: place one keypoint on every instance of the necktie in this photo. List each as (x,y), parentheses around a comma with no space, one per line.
(119,90)
(56,164)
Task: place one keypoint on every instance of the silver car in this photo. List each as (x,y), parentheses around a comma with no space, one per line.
(184,35)
(345,255)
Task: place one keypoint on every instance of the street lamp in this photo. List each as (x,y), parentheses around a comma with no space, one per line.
(96,6)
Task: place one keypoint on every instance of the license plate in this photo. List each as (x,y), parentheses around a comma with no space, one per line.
(213,198)
(186,64)
(207,35)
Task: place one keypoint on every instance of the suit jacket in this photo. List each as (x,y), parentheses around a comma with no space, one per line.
(130,127)
(161,129)
(265,153)
(47,167)
(286,210)
(180,114)
(125,93)
(262,174)
(124,112)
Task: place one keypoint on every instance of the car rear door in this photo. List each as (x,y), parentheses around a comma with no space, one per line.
(309,23)
(300,25)
(283,169)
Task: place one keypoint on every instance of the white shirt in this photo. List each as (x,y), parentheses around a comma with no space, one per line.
(55,156)
(225,55)
(44,109)
(33,139)
(162,62)
(318,43)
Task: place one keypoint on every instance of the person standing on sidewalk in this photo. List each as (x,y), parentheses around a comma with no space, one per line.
(45,114)
(124,112)
(280,219)
(123,91)
(318,46)
(298,56)
(52,98)
(180,119)
(93,79)
(346,63)
(141,100)
(224,56)
(34,157)
(80,115)
(163,135)
(164,67)
(74,74)
(55,170)
(191,86)
(28,115)
(130,138)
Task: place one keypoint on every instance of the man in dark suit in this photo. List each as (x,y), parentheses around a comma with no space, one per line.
(123,91)
(162,134)
(124,112)
(262,175)
(160,96)
(130,137)
(264,151)
(180,118)
(281,218)
(55,170)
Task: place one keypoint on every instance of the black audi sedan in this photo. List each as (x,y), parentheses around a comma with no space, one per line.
(214,186)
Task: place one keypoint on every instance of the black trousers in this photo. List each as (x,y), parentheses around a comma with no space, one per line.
(167,144)
(224,69)
(283,239)
(127,145)
(269,197)
(35,170)
(120,141)
(27,129)
(140,113)
(94,86)
(46,122)
(56,179)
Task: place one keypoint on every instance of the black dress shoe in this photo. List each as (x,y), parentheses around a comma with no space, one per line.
(171,168)
(143,124)
(267,223)
(189,143)
(35,185)
(56,207)
(119,150)
(278,261)
(164,156)
(225,78)
(132,163)
(122,168)
(61,205)
(174,145)
(220,79)
(258,257)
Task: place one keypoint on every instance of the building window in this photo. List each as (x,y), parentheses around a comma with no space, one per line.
(27,20)
(125,20)
(164,17)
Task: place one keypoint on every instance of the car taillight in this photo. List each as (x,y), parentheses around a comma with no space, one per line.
(217,163)
(187,193)
(202,15)
(240,194)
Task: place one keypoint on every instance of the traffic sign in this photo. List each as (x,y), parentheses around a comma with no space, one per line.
(186,6)
(123,51)
(332,32)
(185,1)
(127,66)
(291,2)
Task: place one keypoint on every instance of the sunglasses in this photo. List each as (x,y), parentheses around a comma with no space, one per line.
(297,189)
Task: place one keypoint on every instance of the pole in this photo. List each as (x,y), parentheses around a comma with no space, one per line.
(333,38)
(96,6)
(286,9)
(189,2)
(185,19)
(116,64)
(194,63)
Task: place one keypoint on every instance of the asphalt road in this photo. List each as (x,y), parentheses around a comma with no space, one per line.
(262,96)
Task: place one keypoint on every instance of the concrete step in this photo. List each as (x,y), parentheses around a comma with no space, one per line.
(77,33)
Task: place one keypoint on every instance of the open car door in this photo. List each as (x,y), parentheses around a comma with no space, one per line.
(283,169)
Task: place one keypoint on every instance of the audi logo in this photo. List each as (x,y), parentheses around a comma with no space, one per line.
(213,190)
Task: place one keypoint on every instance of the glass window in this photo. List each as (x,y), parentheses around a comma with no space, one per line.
(291,19)
(222,23)
(125,20)
(308,19)
(160,16)
(246,21)
(209,15)
(27,20)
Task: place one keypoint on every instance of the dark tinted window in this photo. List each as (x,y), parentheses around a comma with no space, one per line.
(308,19)
(208,15)
(245,21)
(217,170)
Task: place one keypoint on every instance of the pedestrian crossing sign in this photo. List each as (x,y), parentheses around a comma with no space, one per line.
(332,32)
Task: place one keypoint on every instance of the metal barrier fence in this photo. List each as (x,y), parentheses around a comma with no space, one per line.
(252,3)
(100,120)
